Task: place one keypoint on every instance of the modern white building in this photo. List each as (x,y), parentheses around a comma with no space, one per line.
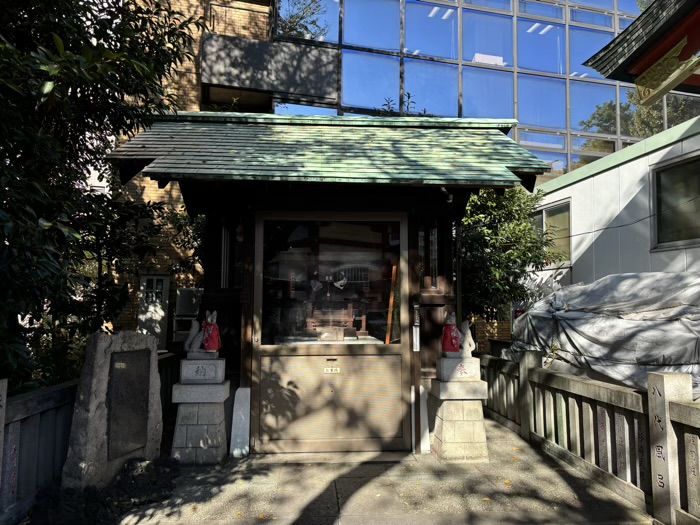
(637,210)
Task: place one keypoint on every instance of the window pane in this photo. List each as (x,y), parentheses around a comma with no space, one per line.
(594,19)
(369,79)
(542,101)
(431,30)
(624,23)
(629,6)
(529,139)
(584,44)
(372,23)
(593,107)
(592,144)
(637,120)
(316,20)
(681,108)
(488,39)
(541,46)
(297,109)
(556,221)
(492,4)
(600,4)
(556,161)
(487,93)
(541,9)
(330,282)
(538,220)
(677,210)
(432,87)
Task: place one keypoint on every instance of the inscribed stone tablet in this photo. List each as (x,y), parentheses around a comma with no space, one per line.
(127,402)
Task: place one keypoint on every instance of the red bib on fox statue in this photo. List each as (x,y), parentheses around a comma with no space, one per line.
(211,341)
(451,338)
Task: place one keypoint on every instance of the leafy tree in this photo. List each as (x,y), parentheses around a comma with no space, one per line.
(499,246)
(302,19)
(74,76)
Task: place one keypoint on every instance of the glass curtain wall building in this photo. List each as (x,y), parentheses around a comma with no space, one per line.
(490,59)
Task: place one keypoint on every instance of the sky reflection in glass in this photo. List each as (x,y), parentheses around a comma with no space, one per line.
(487,93)
(433,86)
(584,44)
(543,102)
(372,23)
(369,79)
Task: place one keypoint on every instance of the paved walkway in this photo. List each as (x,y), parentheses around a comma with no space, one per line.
(520,485)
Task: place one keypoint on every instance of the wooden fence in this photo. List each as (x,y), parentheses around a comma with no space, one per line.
(36,431)
(643,447)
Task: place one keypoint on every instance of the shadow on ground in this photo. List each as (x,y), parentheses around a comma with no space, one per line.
(519,485)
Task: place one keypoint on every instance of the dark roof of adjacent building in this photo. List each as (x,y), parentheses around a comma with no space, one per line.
(398,150)
(614,60)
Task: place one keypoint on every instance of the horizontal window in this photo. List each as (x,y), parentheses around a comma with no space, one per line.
(487,39)
(541,9)
(491,4)
(590,144)
(677,203)
(591,18)
(487,93)
(530,139)
(624,23)
(599,4)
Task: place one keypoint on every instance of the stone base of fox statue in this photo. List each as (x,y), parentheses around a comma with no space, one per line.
(460,435)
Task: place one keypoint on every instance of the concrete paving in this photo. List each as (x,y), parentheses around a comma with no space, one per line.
(519,485)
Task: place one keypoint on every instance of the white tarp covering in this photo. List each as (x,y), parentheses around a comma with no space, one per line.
(622,326)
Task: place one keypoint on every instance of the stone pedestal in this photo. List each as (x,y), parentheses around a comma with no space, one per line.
(200,431)
(459,434)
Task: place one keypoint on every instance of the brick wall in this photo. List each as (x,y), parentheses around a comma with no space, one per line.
(247,19)
(500,329)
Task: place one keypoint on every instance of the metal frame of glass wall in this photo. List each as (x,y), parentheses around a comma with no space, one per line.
(488,58)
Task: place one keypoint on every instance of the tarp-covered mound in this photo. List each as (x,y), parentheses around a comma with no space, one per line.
(622,326)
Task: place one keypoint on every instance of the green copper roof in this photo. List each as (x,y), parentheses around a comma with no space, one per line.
(228,146)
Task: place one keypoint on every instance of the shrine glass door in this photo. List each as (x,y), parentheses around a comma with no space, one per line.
(331,363)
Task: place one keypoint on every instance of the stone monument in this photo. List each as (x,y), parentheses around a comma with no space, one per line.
(200,430)
(117,412)
(459,434)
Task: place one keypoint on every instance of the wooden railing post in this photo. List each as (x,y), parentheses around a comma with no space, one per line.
(526,398)
(665,486)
